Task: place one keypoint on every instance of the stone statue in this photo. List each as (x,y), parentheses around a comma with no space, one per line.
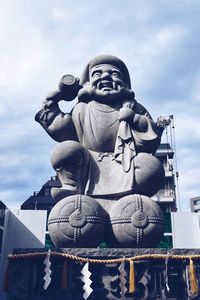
(105,153)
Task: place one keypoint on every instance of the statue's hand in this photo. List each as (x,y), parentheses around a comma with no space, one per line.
(126,114)
(49,105)
(51,99)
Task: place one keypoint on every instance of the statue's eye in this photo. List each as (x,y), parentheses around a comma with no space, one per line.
(116,74)
(96,74)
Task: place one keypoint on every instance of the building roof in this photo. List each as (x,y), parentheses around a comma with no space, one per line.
(43,198)
(37,202)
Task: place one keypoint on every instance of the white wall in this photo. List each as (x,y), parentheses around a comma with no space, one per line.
(185,230)
(22,229)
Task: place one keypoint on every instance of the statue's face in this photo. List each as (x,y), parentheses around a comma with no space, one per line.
(106,78)
(105,85)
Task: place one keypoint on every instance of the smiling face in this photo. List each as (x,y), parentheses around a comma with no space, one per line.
(106,78)
(107,83)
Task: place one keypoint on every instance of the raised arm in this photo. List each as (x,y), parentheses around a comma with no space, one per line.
(57,124)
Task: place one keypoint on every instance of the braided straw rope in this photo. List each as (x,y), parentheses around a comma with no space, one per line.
(103,261)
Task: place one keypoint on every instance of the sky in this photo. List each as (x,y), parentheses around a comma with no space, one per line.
(43,40)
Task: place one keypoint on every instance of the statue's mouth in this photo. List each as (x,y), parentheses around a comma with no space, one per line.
(106,85)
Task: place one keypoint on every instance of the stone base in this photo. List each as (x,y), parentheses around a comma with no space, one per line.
(152,275)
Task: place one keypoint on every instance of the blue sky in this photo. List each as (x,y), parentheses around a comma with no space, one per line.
(42,40)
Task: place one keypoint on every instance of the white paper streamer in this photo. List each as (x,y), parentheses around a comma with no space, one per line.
(123,280)
(47,270)
(85,277)
(166,272)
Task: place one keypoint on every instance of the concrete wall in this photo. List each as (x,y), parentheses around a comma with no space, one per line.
(22,229)
(186,230)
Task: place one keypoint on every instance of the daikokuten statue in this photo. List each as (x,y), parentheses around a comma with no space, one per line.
(104,159)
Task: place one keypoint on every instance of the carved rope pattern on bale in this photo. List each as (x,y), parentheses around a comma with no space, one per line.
(139,236)
(58,220)
(155,220)
(90,219)
(119,220)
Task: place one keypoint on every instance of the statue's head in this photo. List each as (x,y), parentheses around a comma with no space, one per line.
(104,78)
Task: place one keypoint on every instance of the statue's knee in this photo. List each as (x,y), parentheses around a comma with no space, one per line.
(67,153)
(149,173)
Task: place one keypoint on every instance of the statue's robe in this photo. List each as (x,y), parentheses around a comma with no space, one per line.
(112,144)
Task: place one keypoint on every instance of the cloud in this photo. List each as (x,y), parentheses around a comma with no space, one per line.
(44,40)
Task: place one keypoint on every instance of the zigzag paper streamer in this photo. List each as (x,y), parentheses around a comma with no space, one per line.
(166,272)
(47,270)
(85,277)
(122,278)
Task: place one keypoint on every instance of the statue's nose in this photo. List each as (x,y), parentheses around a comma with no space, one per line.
(105,75)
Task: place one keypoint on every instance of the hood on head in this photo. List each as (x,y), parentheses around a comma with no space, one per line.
(106,59)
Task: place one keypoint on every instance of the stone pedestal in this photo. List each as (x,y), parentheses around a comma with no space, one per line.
(152,275)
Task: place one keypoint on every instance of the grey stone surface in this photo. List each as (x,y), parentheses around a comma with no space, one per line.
(80,220)
(107,142)
(135,221)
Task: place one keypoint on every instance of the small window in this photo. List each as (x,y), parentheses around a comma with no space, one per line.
(197,202)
